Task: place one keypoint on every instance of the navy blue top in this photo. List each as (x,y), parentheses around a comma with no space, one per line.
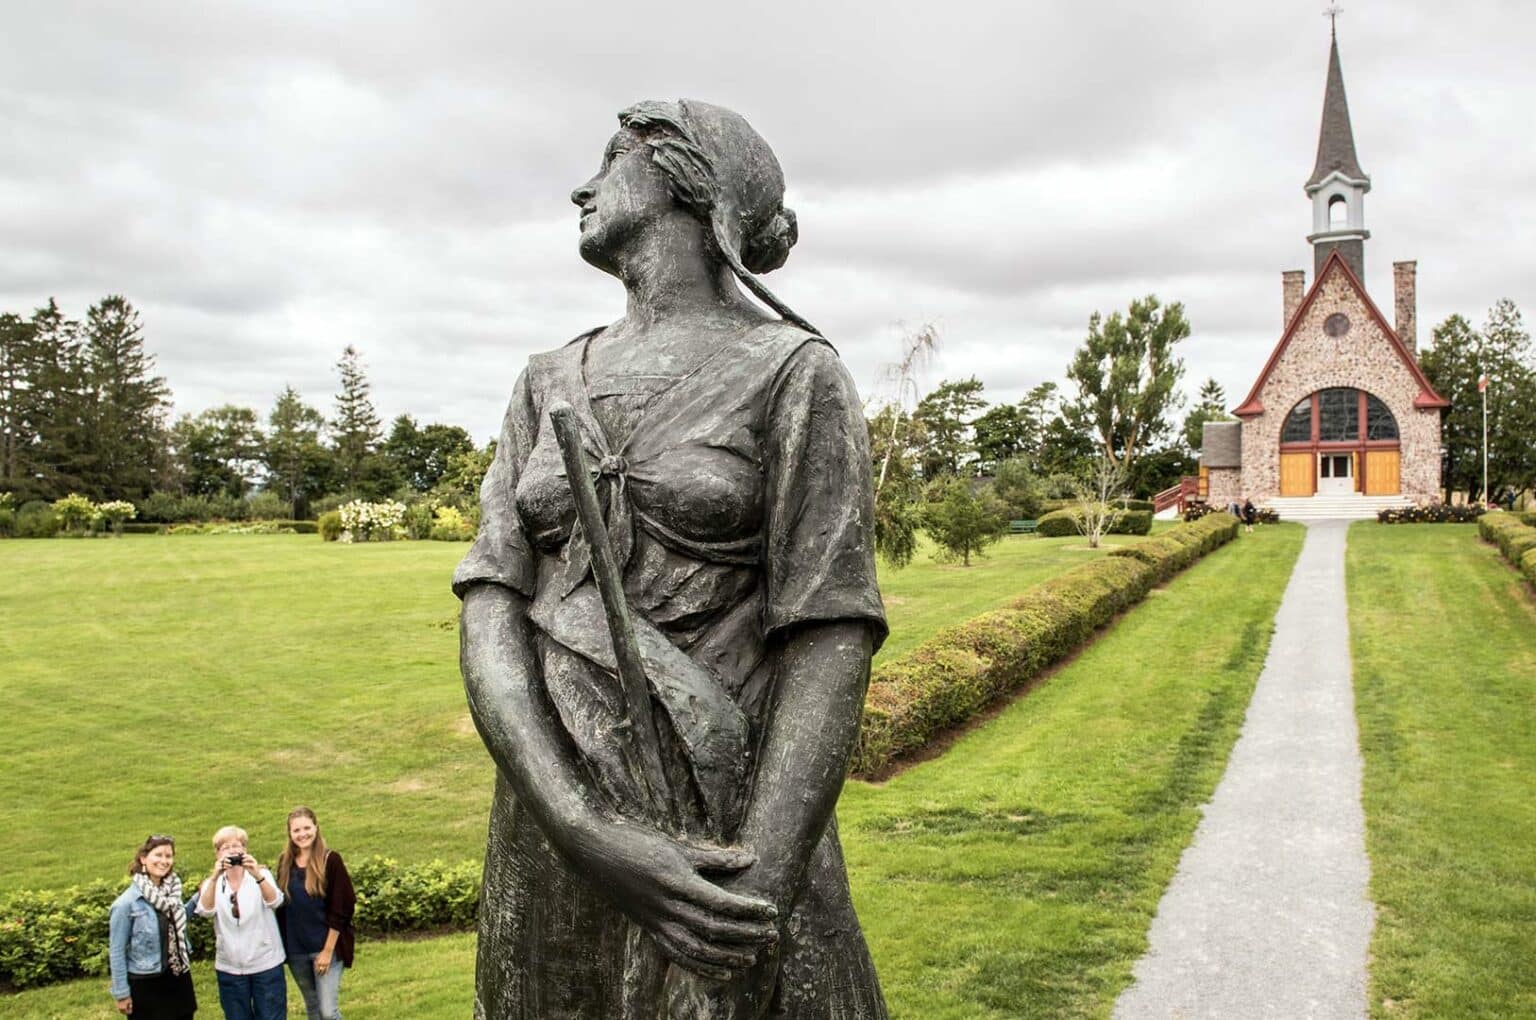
(306,917)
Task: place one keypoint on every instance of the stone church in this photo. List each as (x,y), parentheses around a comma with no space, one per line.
(1341,408)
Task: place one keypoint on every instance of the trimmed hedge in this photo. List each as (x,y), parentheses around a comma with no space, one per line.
(1529,517)
(956,673)
(1431,513)
(1515,538)
(55,936)
(1063,522)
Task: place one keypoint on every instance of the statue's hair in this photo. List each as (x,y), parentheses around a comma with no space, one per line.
(693,180)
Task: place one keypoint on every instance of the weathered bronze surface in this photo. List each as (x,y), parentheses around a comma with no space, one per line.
(666,646)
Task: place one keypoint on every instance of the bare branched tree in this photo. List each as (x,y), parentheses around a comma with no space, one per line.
(1096,513)
(905,380)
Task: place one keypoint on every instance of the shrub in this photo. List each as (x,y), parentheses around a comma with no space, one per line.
(450,525)
(1528,566)
(7,522)
(1063,522)
(115,512)
(298,527)
(330,525)
(370,522)
(53,936)
(266,506)
(76,513)
(1135,504)
(950,677)
(144,528)
(36,521)
(1430,513)
(1529,518)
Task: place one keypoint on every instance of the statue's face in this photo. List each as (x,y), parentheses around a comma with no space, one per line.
(626,195)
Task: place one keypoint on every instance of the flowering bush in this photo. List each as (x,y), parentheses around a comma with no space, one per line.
(115,512)
(76,512)
(1431,513)
(371,522)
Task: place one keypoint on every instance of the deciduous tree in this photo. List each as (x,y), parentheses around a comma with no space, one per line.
(1127,377)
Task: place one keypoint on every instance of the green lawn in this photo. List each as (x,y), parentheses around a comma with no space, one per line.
(1014,876)
(179,683)
(1444,642)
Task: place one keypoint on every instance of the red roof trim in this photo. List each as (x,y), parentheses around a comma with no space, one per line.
(1427,398)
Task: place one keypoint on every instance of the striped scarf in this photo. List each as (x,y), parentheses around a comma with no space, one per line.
(166,899)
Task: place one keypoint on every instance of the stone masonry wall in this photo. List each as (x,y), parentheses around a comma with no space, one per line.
(1224,486)
(1362,358)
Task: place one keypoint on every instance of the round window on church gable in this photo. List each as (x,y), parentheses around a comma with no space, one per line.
(1336,325)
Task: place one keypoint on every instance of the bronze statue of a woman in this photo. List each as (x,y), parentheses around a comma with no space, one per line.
(675,856)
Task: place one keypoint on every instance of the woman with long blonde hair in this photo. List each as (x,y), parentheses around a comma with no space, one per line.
(317,920)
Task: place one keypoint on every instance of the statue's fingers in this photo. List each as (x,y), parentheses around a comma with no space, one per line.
(721,858)
(698,956)
(704,893)
(726,929)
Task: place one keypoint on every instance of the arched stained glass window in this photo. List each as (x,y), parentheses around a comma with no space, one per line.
(1338,415)
(1298,424)
(1379,422)
(1338,418)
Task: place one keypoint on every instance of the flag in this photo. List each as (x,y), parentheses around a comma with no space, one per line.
(1482,385)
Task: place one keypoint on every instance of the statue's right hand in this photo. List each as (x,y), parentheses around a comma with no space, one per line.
(660,884)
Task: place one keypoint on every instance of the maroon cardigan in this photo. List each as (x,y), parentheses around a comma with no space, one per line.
(340,901)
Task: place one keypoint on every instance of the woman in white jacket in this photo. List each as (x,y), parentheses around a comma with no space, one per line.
(242,897)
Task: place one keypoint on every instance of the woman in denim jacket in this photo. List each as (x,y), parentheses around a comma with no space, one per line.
(148,951)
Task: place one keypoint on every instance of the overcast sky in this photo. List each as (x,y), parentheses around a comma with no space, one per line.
(271,182)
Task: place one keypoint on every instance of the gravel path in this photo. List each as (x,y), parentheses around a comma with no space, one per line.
(1268,914)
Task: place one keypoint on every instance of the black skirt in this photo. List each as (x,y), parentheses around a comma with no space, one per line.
(163,996)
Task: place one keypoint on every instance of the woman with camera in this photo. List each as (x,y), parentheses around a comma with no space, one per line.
(242,897)
(147,948)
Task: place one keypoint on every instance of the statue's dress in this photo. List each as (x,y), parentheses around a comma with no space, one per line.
(737,496)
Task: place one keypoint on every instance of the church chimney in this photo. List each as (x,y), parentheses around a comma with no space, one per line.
(1293,282)
(1405,296)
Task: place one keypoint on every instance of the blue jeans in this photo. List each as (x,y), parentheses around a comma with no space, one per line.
(322,992)
(261,996)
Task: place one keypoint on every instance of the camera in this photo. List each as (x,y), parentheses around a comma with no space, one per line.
(235,860)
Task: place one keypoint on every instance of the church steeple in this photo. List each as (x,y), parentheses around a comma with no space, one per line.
(1337,186)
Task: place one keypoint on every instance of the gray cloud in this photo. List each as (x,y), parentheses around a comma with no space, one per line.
(271,182)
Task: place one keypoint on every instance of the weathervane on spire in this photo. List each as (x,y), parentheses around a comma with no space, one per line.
(1332,12)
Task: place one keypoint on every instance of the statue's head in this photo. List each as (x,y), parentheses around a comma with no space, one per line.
(705,161)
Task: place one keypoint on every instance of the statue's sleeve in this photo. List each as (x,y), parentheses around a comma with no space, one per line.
(819,539)
(501,553)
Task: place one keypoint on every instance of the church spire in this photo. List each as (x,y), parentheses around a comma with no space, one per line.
(1337,186)
(1336,140)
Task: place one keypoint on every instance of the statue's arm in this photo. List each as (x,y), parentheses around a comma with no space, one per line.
(657,880)
(808,738)
(516,722)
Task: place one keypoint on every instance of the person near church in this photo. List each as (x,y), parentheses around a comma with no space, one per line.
(316,919)
(148,953)
(242,897)
(1249,515)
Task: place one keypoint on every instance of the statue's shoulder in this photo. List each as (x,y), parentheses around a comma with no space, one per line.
(562,359)
(780,342)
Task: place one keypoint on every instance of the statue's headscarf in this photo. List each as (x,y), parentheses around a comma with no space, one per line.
(721,169)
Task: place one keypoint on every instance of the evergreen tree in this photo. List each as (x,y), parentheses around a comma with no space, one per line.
(1003,432)
(1127,378)
(56,406)
(298,465)
(17,430)
(1457,358)
(1210,406)
(963,521)
(945,415)
(355,428)
(126,404)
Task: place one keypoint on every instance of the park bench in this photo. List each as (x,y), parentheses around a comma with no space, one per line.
(1021,527)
